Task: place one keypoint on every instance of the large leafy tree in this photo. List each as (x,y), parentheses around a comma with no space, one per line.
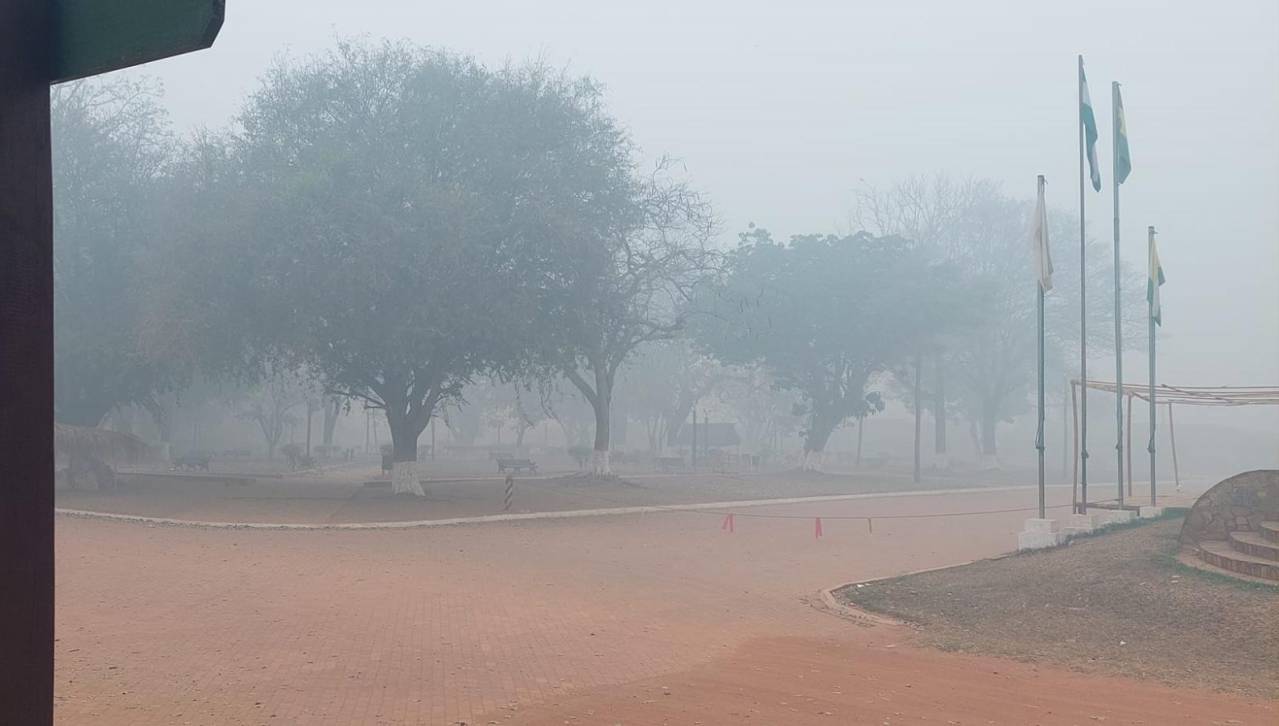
(111,150)
(825,313)
(411,212)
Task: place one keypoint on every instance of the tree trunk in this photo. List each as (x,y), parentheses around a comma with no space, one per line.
(404,435)
(940,459)
(310,410)
(918,405)
(652,428)
(820,427)
(162,417)
(861,428)
(677,416)
(332,409)
(600,397)
(989,422)
(600,465)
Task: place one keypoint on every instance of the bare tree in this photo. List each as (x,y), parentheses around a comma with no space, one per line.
(663,382)
(272,403)
(990,363)
(631,287)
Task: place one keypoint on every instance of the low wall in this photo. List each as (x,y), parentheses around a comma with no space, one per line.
(1238,504)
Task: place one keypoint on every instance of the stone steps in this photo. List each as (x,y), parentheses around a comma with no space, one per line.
(1270,531)
(1224,555)
(1252,543)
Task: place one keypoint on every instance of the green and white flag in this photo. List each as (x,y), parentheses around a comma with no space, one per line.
(1089,122)
(1039,242)
(1155,280)
(1123,160)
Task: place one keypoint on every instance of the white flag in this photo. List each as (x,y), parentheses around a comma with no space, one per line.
(1039,241)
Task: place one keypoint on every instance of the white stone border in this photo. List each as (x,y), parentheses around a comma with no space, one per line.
(528,516)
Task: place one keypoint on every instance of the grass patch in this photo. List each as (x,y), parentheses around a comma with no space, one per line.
(1118,602)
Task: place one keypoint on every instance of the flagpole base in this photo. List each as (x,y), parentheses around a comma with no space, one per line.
(1039,534)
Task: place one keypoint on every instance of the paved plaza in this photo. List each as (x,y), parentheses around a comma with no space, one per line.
(661,617)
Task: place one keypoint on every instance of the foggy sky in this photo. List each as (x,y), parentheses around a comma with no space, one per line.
(781,110)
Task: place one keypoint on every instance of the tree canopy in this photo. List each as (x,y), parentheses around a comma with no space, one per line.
(415,215)
(823,314)
(112,146)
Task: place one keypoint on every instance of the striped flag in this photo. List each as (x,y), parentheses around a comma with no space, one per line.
(1154,282)
(1039,242)
(1123,160)
(1089,122)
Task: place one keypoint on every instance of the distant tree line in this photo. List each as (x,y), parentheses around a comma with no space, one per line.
(396,223)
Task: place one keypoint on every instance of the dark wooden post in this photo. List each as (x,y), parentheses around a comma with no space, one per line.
(87,37)
(26,365)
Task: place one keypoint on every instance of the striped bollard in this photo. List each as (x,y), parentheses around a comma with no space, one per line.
(510,493)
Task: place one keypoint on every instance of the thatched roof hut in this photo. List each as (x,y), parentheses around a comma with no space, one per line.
(112,447)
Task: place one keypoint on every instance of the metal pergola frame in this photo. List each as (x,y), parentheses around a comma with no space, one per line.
(1224,396)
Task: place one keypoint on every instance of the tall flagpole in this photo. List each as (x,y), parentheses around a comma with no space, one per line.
(1083,312)
(1039,437)
(1150,320)
(1119,348)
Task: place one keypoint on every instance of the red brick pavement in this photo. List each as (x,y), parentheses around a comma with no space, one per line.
(176,625)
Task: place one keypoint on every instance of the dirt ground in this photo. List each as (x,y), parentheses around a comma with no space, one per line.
(577,620)
(875,678)
(1117,603)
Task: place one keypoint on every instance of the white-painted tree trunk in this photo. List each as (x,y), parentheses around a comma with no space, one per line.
(404,479)
(600,464)
(811,461)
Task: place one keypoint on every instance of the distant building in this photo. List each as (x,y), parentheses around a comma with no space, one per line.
(710,436)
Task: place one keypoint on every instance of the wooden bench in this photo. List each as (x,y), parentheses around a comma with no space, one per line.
(670,463)
(516,465)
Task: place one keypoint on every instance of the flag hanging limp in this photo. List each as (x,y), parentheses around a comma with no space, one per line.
(1089,122)
(1039,241)
(1123,161)
(1155,280)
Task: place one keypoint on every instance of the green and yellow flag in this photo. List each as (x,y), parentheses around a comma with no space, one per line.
(1154,282)
(1089,122)
(1123,161)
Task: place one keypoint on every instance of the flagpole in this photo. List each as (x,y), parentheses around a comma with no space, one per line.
(1083,311)
(1150,319)
(1039,437)
(1119,347)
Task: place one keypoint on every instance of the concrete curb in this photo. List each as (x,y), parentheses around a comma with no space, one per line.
(527,516)
(832,604)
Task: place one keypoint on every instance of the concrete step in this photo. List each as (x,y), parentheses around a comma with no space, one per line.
(1252,543)
(1219,553)
(1270,531)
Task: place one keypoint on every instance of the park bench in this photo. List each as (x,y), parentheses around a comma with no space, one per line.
(191,462)
(670,463)
(516,465)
